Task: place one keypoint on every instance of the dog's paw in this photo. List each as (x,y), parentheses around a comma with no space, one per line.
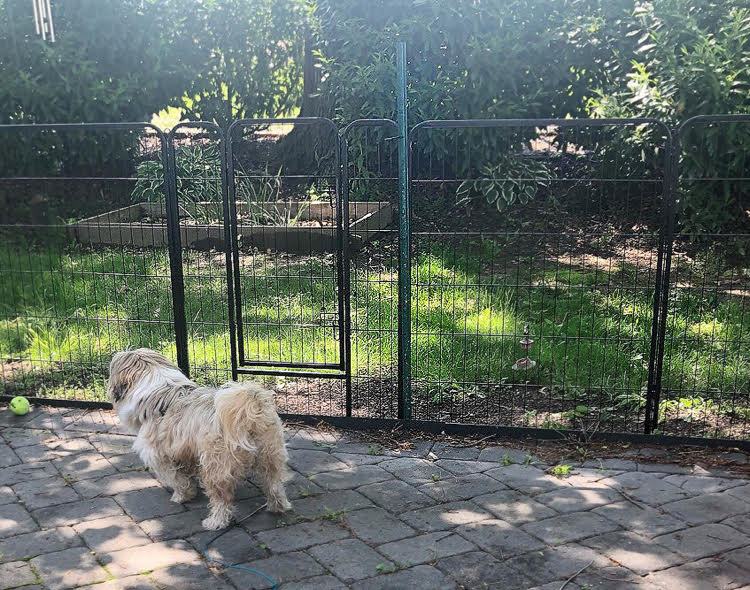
(179,498)
(280,506)
(214,523)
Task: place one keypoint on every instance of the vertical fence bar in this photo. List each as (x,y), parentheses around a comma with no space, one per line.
(404,242)
(345,323)
(175,257)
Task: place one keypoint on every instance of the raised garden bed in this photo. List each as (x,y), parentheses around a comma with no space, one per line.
(302,227)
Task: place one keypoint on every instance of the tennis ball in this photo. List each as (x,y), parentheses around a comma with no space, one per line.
(19,405)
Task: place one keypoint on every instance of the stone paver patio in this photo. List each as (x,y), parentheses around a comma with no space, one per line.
(77,510)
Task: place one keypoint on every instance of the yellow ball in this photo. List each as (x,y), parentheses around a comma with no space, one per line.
(19,405)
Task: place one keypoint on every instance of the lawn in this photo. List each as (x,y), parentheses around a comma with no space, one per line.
(64,310)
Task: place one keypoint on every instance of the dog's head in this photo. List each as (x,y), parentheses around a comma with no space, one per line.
(130,367)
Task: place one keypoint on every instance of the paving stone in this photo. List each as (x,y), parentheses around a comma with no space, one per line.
(176,526)
(554,563)
(513,507)
(112,485)
(40,493)
(301,487)
(359,447)
(702,485)
(576,499)
(556,586)
(526,479)
(584,476)
(234,546)
(15,520)
(68,568)
(75,512)
(54,449)
(85,466)
(375,525)
(312,462)
(611,464)
(478,570)
(613,577)
(737,457)
(461,487)
(704,540)
(26,472)
(634,552)
(16,573)
(188,576)
(111,534)
(354,459)
(505,454)
(288,567)
(426,548)
(569,527)
(312,440)
(706,574)
(262,521)
(8,456)
(707,508)
(350,559)
(415,471)
(458,467)
(352,477)
(24,437)
(133,560)
(646,521)
(417,448)
(301,536)
(316,583)
(647,488)
(32,544)
(148,503)
(423,577)
(498,537)
(740,557)
(444,516)
(446,451)
(664,468)
(126,462)
(7,496)
(741,492)
(129,583)
(741,522)
(112,444)
(345,500)
(396,496)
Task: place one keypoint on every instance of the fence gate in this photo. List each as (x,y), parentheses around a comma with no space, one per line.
(288,230)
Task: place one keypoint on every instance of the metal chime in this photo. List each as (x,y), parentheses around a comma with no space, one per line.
(43,20)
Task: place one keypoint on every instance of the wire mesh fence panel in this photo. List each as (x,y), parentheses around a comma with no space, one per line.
(287,223)
(371,177)
(81,274)
(706,362)
(534,261)
(197,153)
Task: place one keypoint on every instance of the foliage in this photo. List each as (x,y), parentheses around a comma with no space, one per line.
(692,59)
(513,180)
(251,58)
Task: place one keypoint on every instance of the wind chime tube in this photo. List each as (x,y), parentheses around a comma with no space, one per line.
(36,17)
(42,20)
(49,21)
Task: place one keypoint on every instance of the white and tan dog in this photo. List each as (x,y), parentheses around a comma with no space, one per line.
(186,432)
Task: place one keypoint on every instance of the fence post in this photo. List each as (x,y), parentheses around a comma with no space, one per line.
(175,257)
(404,241)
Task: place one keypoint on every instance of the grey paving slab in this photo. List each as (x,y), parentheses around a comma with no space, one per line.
(111,534)
(706,574)
(147,504)
(421,576)
(352,477)
(461,487)
(479,571)
(463,467)
(704,540)
(133,560)
(287,567)
(323,504)
(111,485)
(112,444)
(178,526)
(741,492)
(740,557)
(576,499)
(647,488)
(129,583)
(499,538)
(25,472)
(301,536)
(315,583)
(8,456)
(309,462)
(415,471)
(69,568)
(49,491)
(354,459)
(707,508)
(554,563)
(7,496)
(396,496)
(447,451)
(351,559)
(445,516)
(15,520)
(235,546)
(641,519)
(514,507)
(507,455)
(425,548)
(636,553)
(75,512)
(16,573)
(188,576)
(375,525)
(526,478)
(85,466)
(702,484)
(569,527)
(30,545)
(741,522)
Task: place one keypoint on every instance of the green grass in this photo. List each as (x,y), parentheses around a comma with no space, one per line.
(67,310)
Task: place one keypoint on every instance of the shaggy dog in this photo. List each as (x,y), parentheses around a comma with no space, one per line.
(185,431)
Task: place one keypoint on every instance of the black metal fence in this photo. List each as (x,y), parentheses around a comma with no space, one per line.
(564,275)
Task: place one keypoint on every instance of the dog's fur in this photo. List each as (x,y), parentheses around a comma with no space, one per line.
(186,432)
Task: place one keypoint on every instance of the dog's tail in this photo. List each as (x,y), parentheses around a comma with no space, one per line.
(247,413)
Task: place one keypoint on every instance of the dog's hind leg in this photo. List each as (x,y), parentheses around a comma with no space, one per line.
(218,482)
(270,465)
(168,474)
